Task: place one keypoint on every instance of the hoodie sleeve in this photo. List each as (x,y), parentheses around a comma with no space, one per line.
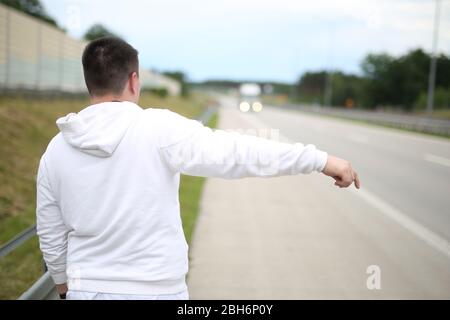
(51,229)
(193,149)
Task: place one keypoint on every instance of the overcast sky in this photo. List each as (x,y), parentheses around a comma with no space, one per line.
(257,39)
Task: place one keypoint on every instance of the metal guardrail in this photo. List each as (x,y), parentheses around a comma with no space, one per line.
(18,240)
(44,287)
(403,121)
(207,115)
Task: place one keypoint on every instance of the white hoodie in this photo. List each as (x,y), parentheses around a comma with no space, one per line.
(108,215)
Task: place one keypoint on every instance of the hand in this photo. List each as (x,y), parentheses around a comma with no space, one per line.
(61,288)
(341,171)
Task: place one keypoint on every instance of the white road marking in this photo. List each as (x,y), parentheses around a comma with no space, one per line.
(431,238)
(437,159)
(434,240)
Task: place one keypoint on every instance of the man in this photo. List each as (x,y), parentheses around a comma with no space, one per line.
(108,215)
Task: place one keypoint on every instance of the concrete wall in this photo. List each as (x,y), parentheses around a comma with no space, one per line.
(37,56)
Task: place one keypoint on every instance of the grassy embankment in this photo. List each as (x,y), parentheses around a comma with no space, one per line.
(27,125)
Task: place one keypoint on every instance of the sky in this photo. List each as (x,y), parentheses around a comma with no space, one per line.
(275,40)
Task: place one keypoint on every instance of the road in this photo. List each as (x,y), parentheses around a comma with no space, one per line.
(300,237)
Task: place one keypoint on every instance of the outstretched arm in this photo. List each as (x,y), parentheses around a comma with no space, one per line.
(194,149)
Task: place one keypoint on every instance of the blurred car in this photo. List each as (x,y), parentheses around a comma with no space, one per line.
(249,97)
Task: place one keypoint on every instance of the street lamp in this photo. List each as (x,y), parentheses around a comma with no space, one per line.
(432,75)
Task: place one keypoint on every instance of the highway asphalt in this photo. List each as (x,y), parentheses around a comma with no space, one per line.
(300,237)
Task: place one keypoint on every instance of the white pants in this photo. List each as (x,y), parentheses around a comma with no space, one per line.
(84,295)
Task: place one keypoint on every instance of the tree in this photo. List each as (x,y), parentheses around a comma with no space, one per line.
(98,31)
(181,78)
(379,72)
(347,89)
(443,71)
(400,81)
(311,86)
(413,71)
(31,7)
(441,99)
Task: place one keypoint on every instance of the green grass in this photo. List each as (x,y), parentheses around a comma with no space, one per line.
(437,114)
(27,125)
(190,192)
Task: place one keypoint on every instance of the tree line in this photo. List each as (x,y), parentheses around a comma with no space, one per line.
(385,82)
(31,7)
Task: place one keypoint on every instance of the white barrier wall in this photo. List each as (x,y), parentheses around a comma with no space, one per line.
(37,56)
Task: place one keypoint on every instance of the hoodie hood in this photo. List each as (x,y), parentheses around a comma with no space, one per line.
(98,129)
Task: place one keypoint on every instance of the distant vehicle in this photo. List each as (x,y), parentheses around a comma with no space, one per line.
(249,97)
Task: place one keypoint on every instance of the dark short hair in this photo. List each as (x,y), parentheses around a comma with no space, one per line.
(107,64)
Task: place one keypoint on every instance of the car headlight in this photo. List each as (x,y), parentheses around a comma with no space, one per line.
(257,106)
(244,106)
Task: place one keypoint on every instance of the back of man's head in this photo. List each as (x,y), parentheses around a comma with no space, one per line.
(107,64)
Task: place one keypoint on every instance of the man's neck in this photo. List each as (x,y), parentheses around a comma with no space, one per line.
(109,98)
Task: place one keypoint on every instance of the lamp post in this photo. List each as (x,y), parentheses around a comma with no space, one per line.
(432,75)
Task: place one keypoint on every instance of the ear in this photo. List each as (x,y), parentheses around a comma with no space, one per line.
(134,83)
